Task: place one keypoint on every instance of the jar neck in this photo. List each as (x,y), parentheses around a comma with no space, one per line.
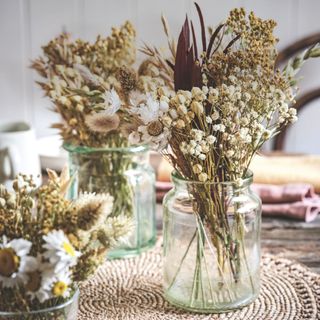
(227,188)
(132,152)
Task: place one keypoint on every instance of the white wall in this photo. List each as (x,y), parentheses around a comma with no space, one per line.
(25,25)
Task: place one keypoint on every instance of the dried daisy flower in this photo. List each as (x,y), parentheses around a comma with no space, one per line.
(91,86)
(43,254)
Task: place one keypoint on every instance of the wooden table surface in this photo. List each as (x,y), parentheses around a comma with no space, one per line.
(290,239)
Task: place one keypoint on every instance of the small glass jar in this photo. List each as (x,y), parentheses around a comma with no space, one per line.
(124,173)
(65,311)
(211,245)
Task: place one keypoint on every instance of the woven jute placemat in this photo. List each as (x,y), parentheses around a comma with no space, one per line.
(131,289)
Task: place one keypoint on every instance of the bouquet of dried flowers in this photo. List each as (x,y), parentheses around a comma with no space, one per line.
(92,87)
(48,244)
(228,100)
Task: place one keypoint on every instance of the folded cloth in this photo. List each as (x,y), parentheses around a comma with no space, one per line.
(306,210)
(284,169)
(296,201)
(284,193)
(279,181)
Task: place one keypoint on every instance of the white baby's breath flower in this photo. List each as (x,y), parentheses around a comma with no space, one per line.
(211,139)
(164,106)
(59,251)
(203,177)
(208,120)
(15,262)
(218,127)
(173,114)
(182,109)
(197,168)
(246,96)
(197,94)
(197,107)
(197,135)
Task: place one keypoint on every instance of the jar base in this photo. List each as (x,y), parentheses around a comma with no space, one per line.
(130,252)
(237,305)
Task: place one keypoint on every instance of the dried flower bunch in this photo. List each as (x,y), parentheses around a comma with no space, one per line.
(48,243)
(89,85)
(228,99)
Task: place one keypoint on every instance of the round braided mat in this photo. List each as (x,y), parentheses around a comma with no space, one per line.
(131,289)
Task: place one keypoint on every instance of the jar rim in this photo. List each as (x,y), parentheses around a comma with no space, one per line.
(177,178)
(45,310)
(85,149)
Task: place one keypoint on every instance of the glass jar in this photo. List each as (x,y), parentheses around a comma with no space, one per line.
(65,311)
(211,245)
(124,173)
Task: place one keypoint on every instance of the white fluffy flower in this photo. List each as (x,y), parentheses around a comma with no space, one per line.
(112,102)
(117,230)
(150,110)
(59,250)
(15,264)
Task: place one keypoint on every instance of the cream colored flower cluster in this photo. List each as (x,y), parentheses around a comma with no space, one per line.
(211,127)
(48,243)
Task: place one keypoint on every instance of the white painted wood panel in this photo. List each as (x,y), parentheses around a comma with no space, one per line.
(12,94)
(26,25)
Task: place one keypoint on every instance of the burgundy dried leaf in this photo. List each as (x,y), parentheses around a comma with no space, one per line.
(180,67)
(212,39)
(194,39)
(196,76)
(190,63)
(170,64)
(203,29)
(231,43)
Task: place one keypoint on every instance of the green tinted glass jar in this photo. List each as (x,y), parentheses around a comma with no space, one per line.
(124,173)
(65,311)
(211,245)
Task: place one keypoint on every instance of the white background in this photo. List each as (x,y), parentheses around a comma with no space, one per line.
(25,25)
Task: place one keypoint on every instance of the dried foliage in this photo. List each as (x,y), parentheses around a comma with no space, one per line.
(48,244)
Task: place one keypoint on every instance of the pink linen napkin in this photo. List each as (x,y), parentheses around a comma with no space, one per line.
(296,201)
(270,193)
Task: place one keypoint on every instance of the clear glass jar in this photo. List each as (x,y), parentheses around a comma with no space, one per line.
(65,311)
(126,174)
(211,245)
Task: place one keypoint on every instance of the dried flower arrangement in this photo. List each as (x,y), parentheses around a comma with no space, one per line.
(92,87)
(89,85)
(228,100)
(48,244)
